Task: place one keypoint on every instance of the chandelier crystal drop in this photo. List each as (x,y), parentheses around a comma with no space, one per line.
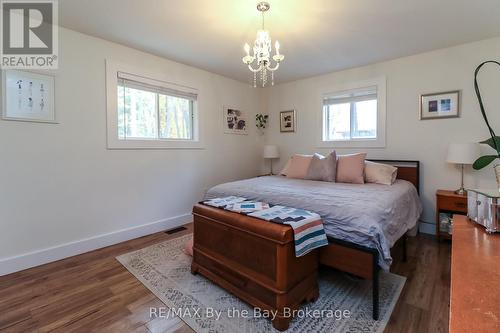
(259,63)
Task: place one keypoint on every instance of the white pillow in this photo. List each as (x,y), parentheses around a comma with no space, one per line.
(379,173)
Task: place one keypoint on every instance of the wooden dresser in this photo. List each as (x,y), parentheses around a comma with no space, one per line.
(475,278)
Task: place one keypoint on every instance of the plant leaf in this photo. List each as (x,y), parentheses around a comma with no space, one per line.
(490,143)
(483,161)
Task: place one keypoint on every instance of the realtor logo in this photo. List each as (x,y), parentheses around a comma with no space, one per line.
(29,34)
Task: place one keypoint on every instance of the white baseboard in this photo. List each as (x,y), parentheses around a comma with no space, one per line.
(427,228)
(40,257)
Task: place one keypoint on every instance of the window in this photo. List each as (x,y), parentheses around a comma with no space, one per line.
(354,117)
(146,113)
(153,112)
(351,115)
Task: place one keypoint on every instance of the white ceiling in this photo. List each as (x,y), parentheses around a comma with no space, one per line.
(317,36)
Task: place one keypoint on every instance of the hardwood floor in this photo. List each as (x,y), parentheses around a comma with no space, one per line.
(93,292)
(424,302)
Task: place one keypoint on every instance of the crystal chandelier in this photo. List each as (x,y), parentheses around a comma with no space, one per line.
(262,53)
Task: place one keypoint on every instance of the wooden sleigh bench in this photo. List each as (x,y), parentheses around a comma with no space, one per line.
(255,260)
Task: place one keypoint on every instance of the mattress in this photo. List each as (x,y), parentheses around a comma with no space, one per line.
(370,215)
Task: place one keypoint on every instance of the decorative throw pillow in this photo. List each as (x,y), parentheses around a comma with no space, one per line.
(350,168)
(299,164)
(322,168)
(285,169)
(379,173)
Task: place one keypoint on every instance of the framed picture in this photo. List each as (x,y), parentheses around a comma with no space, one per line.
(28,96)
(440,105)
(235,121)
(287,121)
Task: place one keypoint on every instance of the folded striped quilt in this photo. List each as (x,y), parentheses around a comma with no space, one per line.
(247,207)
(223,202)
(307,226)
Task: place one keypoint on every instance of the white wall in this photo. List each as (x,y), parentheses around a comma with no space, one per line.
(407,136)
(59,184)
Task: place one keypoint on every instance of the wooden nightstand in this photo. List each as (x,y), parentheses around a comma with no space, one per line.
(449,203)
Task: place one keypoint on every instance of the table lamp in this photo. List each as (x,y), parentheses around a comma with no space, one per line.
(271,152)
(462,154)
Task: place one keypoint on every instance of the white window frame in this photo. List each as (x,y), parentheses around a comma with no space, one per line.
(114,142)
(380,140)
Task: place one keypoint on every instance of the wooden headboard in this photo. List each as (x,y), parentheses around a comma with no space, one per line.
(407,170)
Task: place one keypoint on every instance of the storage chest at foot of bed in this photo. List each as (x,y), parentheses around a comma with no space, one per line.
(253,259)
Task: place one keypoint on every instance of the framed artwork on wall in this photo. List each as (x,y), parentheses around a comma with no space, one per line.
(287,121)
(28,96)
(440,105)
(234,121)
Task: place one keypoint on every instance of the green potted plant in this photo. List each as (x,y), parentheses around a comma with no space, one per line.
(493,141)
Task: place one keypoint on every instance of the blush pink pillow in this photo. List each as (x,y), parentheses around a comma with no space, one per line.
(350,168)
(188,247)
(299,164)
(285,169)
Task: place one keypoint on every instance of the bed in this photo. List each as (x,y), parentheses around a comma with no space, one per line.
(362,222)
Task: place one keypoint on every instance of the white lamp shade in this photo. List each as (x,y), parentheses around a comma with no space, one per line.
(271,151)
(463,153)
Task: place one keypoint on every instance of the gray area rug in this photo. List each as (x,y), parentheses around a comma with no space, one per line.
(165,270)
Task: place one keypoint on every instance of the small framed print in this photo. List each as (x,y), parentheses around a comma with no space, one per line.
(287,121)
(28,96)
(440,105)
(234,121)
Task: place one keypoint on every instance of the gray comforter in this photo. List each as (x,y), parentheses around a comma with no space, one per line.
(370,215)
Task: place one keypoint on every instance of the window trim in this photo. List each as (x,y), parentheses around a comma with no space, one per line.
(380,141)
(113,141)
